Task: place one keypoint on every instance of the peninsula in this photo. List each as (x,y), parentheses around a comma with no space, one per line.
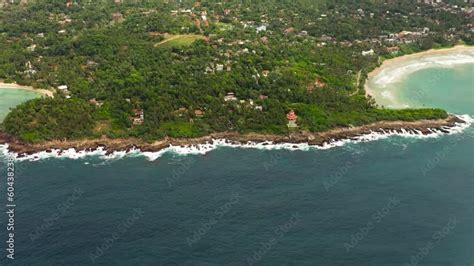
(126,75)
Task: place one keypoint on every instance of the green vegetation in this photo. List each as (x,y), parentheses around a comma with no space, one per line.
(177,60)
(44,118)
(180,129)
(316,119)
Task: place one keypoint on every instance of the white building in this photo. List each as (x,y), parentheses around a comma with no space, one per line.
(62,87)
(230,97)
(261,28)
(368,53)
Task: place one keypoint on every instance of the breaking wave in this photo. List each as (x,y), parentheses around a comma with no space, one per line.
(101,153)
(398,71)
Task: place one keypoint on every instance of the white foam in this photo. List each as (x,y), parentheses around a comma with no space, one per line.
(398,71)
(386,94)
(210,146)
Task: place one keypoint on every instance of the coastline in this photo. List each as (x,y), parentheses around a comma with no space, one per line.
(321,139)
(420,127)
(27,88)
(400,59)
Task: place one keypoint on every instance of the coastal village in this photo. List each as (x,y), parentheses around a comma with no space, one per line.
(231,132)
(224,62)
(232,50)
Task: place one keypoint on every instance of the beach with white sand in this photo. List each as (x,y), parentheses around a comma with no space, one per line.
(4,85)
(384,83)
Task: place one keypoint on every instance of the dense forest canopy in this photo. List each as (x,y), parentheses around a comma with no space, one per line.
(169,68)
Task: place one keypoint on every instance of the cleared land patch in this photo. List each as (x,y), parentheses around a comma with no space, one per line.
(179,40)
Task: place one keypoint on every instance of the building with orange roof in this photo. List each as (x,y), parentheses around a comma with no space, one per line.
(292,117)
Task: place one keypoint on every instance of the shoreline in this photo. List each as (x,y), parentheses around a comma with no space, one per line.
(321,139)
(390,62)
(27,88)
(420,127)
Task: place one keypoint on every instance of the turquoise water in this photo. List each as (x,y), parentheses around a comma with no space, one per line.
(397,201)
(436,79)
(10,98)
(448,88)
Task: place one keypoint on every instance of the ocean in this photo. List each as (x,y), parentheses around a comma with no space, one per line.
(12,97)
(393,201)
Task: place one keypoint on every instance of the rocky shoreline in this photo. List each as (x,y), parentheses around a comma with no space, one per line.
(320,138)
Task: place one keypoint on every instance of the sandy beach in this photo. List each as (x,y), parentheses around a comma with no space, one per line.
(398,60)
(28,88)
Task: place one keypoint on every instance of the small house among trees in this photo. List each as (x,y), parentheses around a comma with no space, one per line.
(138,117)
(230,97)
(198,113)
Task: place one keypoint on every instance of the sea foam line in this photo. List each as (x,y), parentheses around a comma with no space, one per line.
(216,143)
(398,71)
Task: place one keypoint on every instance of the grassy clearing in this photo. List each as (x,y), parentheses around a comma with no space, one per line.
(180,129)
(180,40)
(222,27)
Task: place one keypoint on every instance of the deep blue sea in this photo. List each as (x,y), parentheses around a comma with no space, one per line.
(397,201)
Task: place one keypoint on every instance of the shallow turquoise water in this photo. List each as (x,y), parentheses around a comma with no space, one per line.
(10,98)
(434,79)
(397,201)
(448,88)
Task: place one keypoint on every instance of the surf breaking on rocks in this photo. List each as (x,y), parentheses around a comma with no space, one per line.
(207,147)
